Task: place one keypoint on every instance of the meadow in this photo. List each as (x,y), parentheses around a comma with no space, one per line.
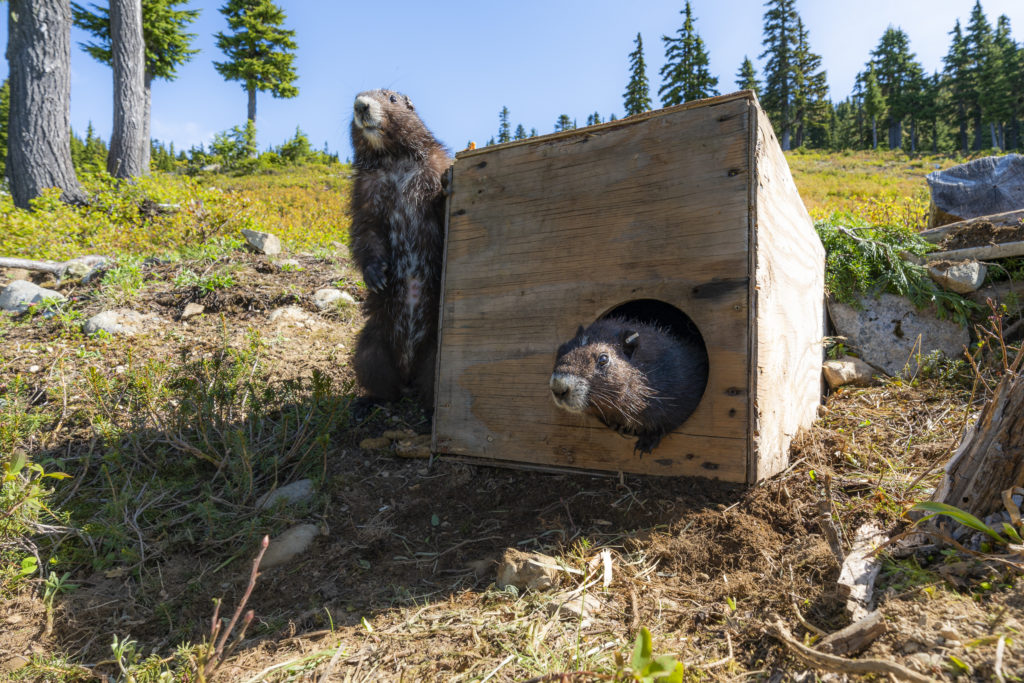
(134,468)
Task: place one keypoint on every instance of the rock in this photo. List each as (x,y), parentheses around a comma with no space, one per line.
(21,295)
(121,321)
(375,443)
(192,310)
(34,369)
(17,274)
(574,608)
(963,277)
(289,545)
(289,262)
(85,267)
(396,434)
(848,370)
(531,571)
(928,662)
(263,242)
(418,447)
(288,314)
(211,168)
(890,331)
(327,297)
(297,492)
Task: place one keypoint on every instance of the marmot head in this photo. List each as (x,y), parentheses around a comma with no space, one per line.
(594,372)
(385,124)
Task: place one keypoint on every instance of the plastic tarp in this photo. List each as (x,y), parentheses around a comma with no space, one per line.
(979,188)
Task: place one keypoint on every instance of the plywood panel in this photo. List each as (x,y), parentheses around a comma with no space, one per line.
(550,234)
(789,308)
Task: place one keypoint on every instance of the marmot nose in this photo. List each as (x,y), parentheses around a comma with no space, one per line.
(559,387)
(362,106)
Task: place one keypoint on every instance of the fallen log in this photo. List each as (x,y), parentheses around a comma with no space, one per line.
(985,252)
(76,266)
(855,637)
(1009,218)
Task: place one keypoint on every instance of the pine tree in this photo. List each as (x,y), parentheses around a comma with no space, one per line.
(260,51)
(164,32)
(504,126)
(959,82)
(533,132)
(996,96)
(899,76)
(593,119)
(637,97)
(5,112)
(520,133)
(810,96)
(746,77)
(780,71)
(564,123)
(874,103)
(685,75)
(979,51)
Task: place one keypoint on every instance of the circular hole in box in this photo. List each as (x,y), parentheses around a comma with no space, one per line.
(670,319)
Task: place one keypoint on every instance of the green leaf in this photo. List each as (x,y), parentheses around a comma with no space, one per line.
(18,462)
(965,518)
(641,650)
(29,565)
(1012,533)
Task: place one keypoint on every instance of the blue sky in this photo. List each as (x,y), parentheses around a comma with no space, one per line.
(460,62)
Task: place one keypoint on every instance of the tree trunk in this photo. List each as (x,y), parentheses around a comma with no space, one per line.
(874,132)
(993,134)
(913,136)
(39,124)
(147,136)
(991,459)
(127,142)
(252,103)
(935,136)
(963,129)
(977,131)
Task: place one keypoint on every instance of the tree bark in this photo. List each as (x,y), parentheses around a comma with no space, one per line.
(147,136)
(39,136)
(252,103)
(991,459)
(127,158)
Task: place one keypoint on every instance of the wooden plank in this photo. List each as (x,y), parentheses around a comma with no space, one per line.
(552,233)
(789,305)
(986,252)
(1009,218)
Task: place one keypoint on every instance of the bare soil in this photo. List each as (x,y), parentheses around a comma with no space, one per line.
(982,234)
(399,583)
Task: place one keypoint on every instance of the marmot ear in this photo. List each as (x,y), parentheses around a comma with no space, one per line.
(408,103)
(630,339)
(579,331)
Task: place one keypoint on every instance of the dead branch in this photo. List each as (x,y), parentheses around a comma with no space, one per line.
(842,664)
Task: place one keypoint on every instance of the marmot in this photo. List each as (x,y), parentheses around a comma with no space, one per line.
(637,378)
(397,238)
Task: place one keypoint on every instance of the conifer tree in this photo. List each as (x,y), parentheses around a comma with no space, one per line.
(520,133)
(685,75)
(900,77)
(746,77)
(260,51)
(979,52)
(996,96)
(958,74)
(874,103)
(810,96)
(5,112)
(165,33)
(780,71)
(564,123)
(504,126)
(637,97)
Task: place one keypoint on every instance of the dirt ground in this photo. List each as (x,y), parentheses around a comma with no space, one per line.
(399,582)
(982,234)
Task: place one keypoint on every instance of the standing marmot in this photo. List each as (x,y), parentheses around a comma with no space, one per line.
(397,238)
(636,378)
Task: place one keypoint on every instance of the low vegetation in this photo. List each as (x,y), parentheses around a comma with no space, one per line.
(133,471)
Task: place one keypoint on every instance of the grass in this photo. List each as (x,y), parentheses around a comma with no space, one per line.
(168,450)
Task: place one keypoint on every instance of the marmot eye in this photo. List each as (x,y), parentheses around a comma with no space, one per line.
(602,360)
(393,99)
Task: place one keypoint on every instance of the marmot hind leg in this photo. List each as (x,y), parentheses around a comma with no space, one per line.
(374,363)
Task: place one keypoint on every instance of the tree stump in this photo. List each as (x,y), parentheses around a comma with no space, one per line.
(991,457)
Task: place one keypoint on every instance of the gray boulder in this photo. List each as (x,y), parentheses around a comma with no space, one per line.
(978,188)
(118,322)
(263,242)
(963,277)
(890,332)
(20,295)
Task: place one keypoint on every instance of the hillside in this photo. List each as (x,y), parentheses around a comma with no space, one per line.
(143,460)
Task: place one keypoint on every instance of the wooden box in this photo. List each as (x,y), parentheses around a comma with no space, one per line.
(692,205)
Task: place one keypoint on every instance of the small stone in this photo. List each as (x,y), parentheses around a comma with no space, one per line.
(289,314)
(296,492)
(928,662)
(575,608)
(523,570)
(327,297)
(122,321)
(847,370)
(120,370)
(20,295)
(414,448)
(84,268)
(289,545)
(192,310)
(34,369)
(962,277)
(263,242)
(373,444)
(290,262)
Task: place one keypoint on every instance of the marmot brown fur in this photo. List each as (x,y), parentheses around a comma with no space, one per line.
(637,378)
(397,238)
